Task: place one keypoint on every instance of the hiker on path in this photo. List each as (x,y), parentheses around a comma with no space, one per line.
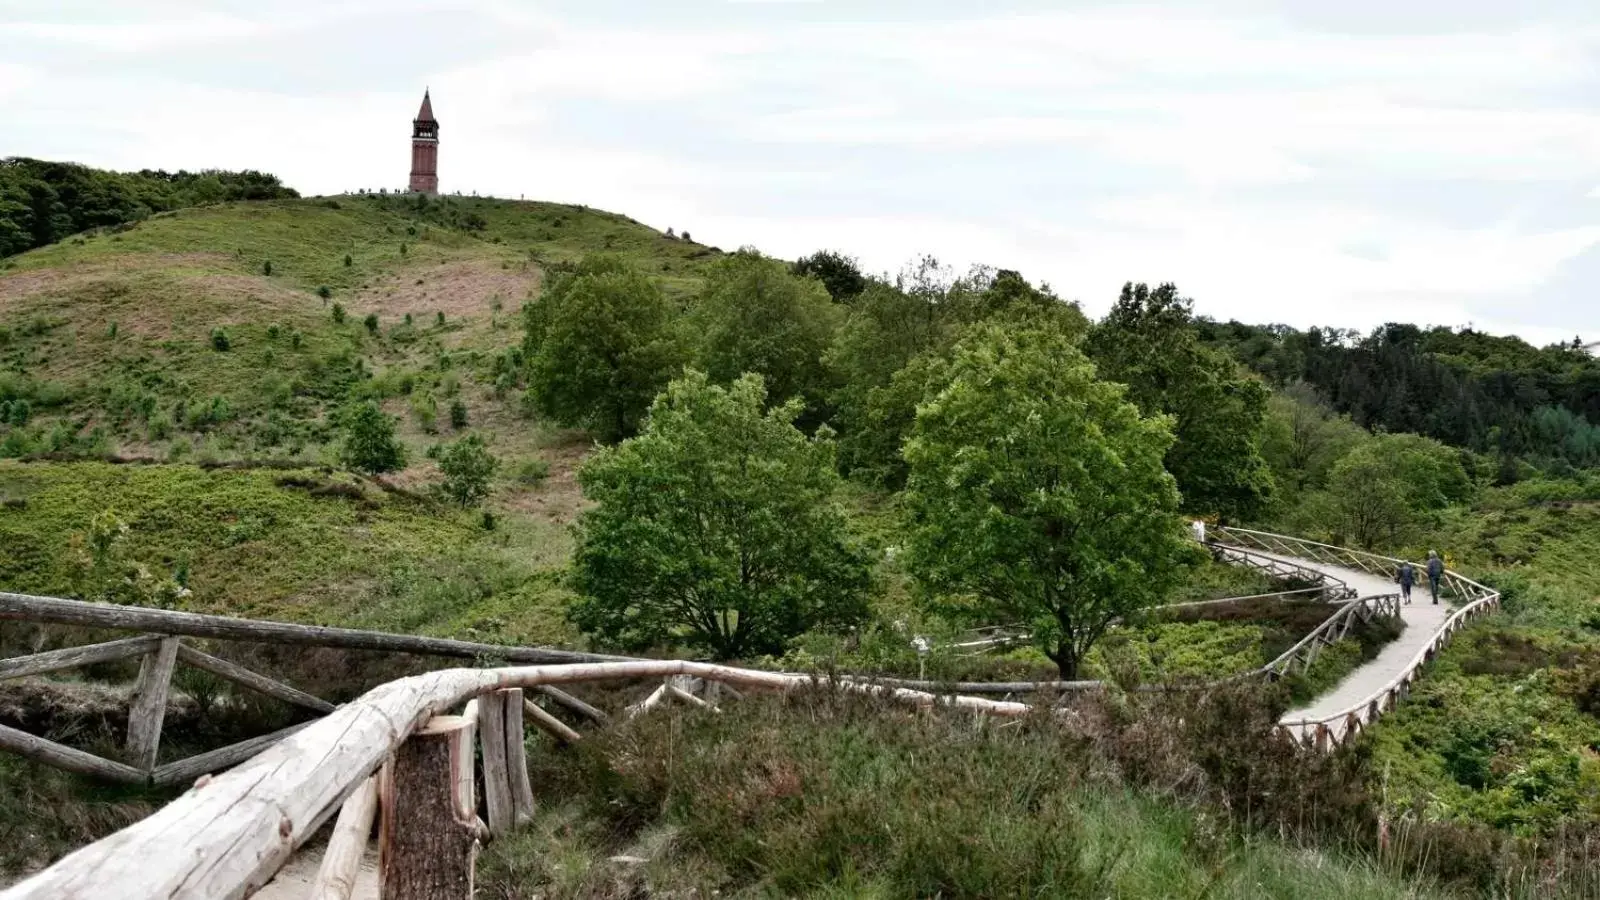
(1407,576)
(1435,574)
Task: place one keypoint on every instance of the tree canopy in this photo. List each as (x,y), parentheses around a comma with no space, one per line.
(467,466)
(716,527)
(1491,394)
(757,316)
(897,337)
(1389,484)
(599,347)
(1149,342)
(42,202)
(1037,493)
(840,274)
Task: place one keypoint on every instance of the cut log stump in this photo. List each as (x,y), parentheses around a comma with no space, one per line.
(429,843)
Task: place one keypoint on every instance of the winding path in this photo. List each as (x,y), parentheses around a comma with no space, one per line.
(1377,686)
(1422,617)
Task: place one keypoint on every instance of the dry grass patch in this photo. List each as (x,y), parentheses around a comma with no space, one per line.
(458,288)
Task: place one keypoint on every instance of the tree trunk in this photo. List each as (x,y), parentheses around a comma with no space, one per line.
(428,845)
(1066,661)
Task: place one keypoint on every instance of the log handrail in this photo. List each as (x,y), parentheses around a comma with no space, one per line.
(237,829)
(59,611)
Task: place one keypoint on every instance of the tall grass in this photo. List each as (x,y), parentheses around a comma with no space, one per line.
(826,795)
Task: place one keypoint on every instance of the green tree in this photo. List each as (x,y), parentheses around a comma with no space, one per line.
(840,274)
(756,316)
(468,466)
(369,442)
(716,527)
(1303,437)
(1037,493)
(894,337)
(1150,343)
(599,348)
(1386,488)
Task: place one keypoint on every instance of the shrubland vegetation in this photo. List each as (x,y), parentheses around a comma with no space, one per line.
(384,411)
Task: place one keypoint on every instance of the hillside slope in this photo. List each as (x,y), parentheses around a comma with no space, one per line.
(227,335)
(240,324)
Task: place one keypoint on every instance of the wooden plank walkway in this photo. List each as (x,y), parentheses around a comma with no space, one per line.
(1423,620)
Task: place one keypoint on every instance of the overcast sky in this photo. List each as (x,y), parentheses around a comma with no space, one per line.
(1305,161)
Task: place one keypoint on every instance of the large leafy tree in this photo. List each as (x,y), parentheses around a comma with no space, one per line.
(897,338)
(716,527)
(1149,342)
(1391,484)
(840,274)
(757,316)
(599,347)
(1304,438)
(1037,493)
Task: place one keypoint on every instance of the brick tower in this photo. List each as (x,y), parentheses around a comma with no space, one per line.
(425,150)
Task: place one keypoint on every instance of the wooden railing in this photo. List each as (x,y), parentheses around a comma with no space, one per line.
(163,650)
(1330,632)
(1332,588)
(398,753)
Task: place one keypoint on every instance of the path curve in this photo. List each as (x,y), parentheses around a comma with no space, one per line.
(1375,687)
(1423,619)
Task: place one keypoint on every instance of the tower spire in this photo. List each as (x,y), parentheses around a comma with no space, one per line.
(425,148)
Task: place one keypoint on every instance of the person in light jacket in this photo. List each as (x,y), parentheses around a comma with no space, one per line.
(1435,574)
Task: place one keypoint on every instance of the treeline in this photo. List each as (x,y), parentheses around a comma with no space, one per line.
(861,353)
(42,202)
(1039,459)
(1492,395)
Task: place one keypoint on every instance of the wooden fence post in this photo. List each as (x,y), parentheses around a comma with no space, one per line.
(498,804)
(341,862)
(428,843)
(149,706)
(517,758)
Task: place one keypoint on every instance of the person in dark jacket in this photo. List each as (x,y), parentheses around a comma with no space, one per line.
(1407,576)
(1435,574)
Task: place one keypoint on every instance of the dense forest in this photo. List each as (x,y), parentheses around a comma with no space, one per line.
(42,202)
(1491,394)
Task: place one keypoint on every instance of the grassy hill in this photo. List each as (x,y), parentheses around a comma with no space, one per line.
(234,327)
(213,336)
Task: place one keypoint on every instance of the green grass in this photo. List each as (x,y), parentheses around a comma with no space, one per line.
(1505,727)
(110,334)
(255,547)
(305,240)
